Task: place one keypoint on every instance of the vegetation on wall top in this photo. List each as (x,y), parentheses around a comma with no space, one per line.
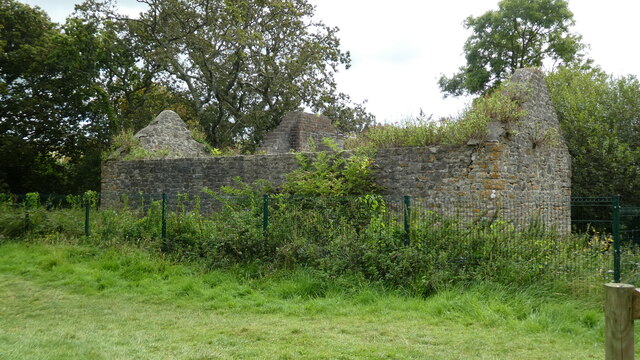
(502,105)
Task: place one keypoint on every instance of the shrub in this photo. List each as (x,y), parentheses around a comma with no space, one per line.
(126,146)
(334,173)
(363,236)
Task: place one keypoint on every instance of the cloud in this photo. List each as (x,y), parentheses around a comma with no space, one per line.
(398,53)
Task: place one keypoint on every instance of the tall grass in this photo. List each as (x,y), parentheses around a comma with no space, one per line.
(336,236)
(502,105)
(79,300)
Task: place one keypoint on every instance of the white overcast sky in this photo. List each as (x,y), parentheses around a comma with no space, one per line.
(400,48)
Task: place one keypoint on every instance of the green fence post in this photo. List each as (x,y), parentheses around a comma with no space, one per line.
(87,209)
(164,217)
(615,228)
(407,219)
(265,214)
(27,221)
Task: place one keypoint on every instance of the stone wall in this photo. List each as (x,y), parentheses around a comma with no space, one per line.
(521,172)
(296,131)
(173,176)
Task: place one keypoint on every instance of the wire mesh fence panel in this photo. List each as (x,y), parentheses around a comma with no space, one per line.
(630,244)
(592,218)
(592,215)
(630,224)
(405,241)
(42,214)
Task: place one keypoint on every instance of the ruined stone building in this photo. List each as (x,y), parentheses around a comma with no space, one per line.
(519,169)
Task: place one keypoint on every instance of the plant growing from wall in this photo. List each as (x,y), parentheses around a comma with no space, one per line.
(540,137)
(199,136)
(126,146)
(503,105)
(335,173)
(122,143)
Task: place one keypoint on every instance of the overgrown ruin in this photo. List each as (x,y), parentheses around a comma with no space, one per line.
(521,170)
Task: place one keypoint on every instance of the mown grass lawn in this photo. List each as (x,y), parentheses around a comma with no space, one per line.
(88,302)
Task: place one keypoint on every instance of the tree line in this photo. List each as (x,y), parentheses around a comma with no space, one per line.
(232,69)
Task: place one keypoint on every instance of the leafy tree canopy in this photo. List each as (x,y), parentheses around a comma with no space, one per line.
(600,120)
(45,112)
(231,69)
(521,33)
(62,91)
(241,65)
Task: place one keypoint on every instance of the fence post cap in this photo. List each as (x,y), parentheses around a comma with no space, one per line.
(620,285)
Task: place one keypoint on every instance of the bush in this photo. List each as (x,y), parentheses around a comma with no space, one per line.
(336,173)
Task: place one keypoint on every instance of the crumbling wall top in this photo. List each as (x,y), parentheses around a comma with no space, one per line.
(298,131)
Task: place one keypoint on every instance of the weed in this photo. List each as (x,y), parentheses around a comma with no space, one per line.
(503,105)
(362,236)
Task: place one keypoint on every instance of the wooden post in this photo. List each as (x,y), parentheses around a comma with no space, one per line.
(618,321)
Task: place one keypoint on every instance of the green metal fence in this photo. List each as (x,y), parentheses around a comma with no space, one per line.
(443,238)
(630,224)
(599,219)
(616,228)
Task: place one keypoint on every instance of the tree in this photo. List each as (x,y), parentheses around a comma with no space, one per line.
(243,64)
(521,33)
(129,82)
(40,124)
(599,118)
(61,95)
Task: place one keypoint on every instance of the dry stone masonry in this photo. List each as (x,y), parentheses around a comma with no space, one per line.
(298,131)
(521,171)
(167,136)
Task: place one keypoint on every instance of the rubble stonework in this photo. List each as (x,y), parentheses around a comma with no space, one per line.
(522,170)
(167,136)
(298,131)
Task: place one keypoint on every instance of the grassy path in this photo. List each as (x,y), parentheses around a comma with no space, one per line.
(74,302)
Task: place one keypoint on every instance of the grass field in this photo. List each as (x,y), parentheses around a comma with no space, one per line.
(86,302)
